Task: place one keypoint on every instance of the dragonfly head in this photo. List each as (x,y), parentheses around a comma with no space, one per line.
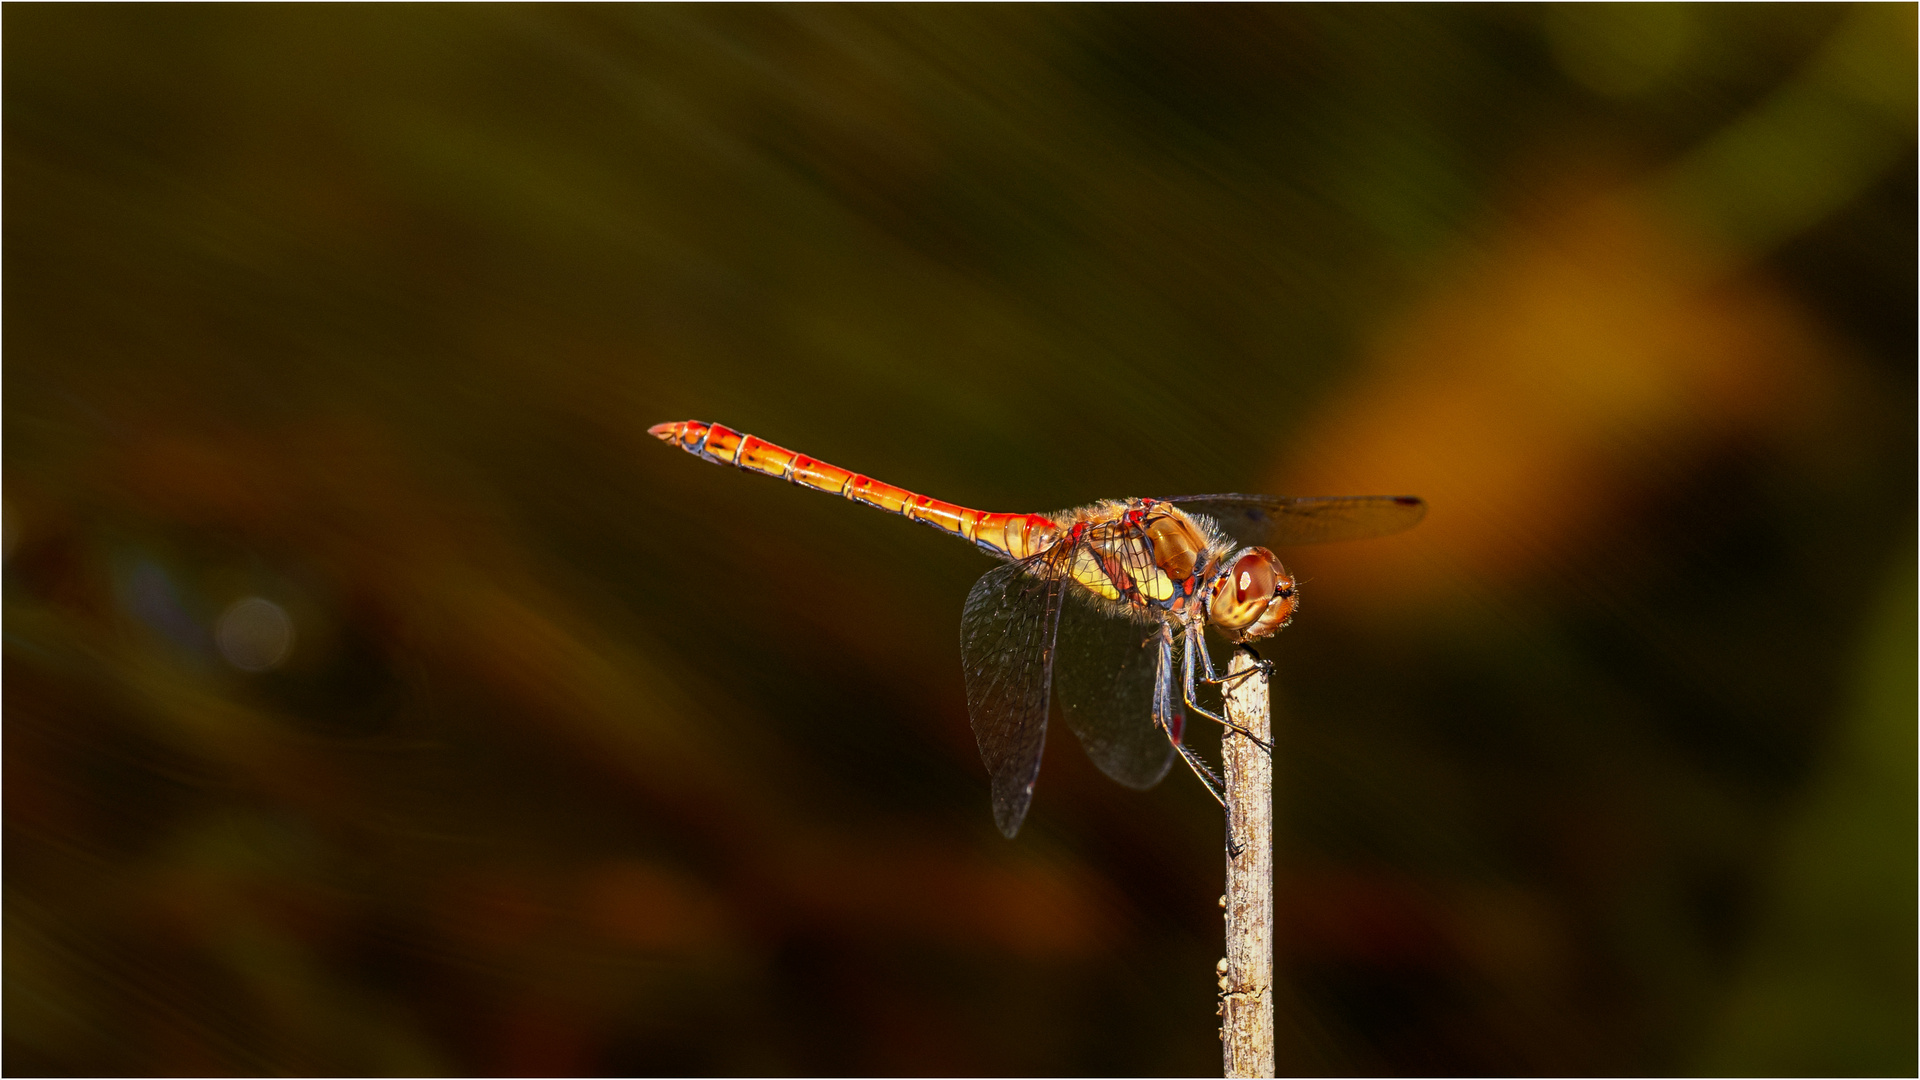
(1251,595)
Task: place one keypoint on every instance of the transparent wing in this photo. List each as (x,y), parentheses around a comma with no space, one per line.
(1006,647)
(1279,521)
(1105,674)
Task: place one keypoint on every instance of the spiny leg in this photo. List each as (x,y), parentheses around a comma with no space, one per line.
(1229,725)
(1214,785)
(1194,644)
(1264,667)
(1214,788)
(1213,677)
(1261,666)
(1173,723)
(1208,779)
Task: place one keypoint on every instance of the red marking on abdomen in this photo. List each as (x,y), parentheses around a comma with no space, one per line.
(1016,535)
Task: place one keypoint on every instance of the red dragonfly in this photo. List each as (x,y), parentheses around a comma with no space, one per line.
(1097,600)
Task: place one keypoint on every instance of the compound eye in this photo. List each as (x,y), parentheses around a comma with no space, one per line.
(1252,578)
(1241,594)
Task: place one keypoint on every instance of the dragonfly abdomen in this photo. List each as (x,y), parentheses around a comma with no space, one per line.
(1015,536)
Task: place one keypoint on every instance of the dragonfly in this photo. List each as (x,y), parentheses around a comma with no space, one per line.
(1108,604)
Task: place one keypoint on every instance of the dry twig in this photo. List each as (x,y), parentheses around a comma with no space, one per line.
(1246,982)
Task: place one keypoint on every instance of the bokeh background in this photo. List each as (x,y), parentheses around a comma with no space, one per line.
(379,698)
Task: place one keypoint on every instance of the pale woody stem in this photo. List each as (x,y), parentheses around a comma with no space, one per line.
(1246,1025)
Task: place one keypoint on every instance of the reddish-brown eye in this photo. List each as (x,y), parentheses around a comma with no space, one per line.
(1251,597)
(1239,593)
(1253,577)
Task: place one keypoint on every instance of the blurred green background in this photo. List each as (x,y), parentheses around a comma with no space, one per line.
(380,699)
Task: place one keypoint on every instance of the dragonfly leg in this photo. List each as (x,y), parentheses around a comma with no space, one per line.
(1194,644)
(1233,727)
(1172,722)
(1215,787)
(1213,677)
(1208,778)
(1264,668)
(1212,784)
(1261,666)
(1166,712)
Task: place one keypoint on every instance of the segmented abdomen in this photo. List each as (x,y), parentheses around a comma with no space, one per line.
(1013,535)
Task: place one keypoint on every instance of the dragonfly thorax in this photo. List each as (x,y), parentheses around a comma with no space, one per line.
(1147,558)
(1178,545)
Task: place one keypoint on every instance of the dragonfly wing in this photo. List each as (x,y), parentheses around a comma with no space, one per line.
(1279,520)
(1105,673)
(1006,646)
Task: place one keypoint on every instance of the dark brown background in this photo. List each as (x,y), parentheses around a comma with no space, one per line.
(591,758)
